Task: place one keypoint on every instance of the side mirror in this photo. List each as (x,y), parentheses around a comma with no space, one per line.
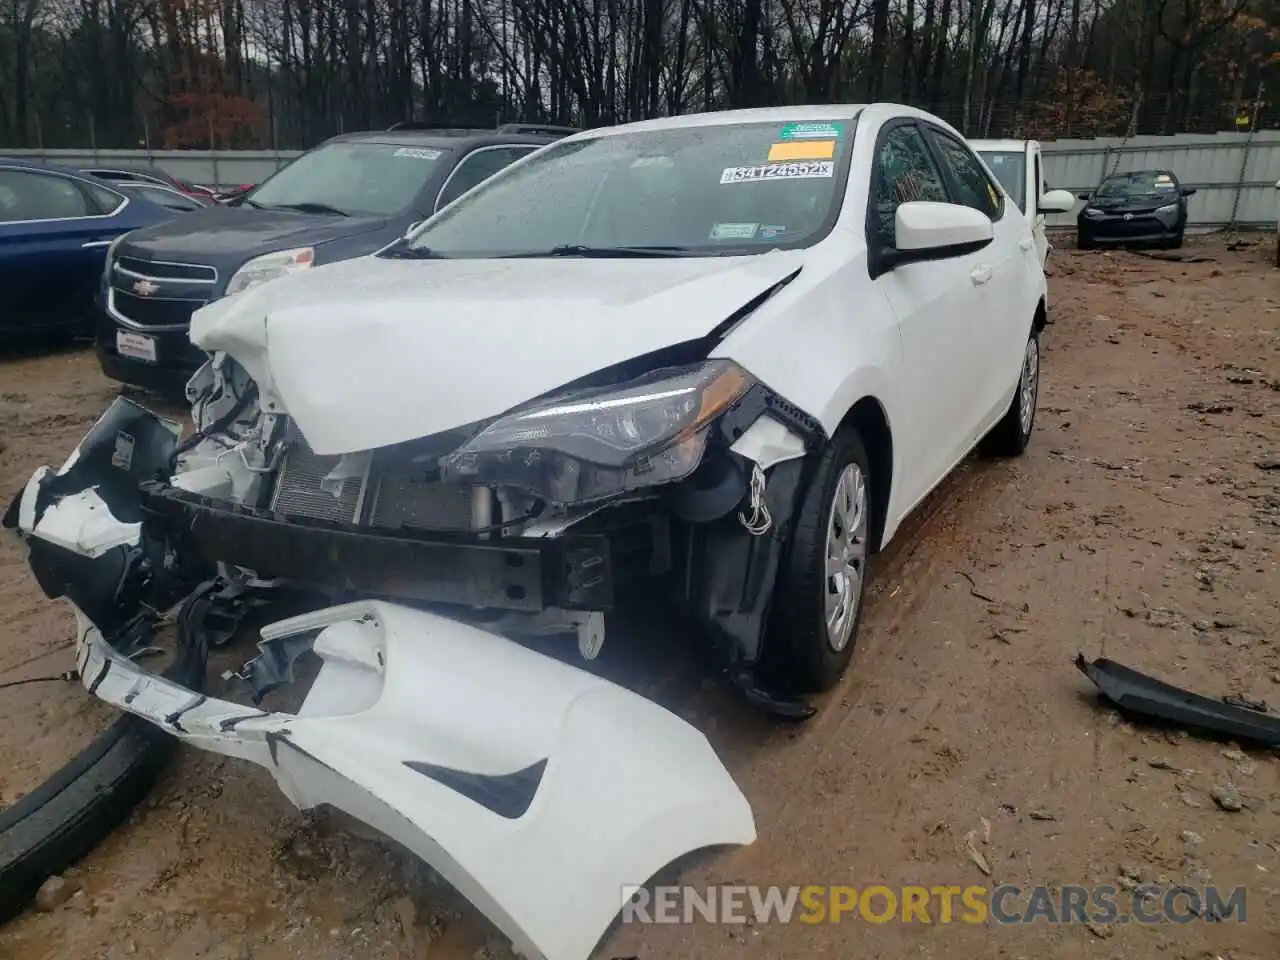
(1056,201)
(1188,191)
(924,230)
(1083,196)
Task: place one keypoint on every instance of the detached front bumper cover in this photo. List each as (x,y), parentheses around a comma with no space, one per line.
(543,793)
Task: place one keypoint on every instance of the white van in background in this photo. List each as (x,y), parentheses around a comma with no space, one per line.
(1018,165)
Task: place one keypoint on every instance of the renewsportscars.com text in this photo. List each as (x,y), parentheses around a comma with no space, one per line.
(1004,904)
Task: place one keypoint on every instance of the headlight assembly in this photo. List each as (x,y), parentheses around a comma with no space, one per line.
(1168,208)
(1092,212)
(269,266)
(601,443)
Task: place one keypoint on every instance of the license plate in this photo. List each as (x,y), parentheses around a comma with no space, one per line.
(136,345)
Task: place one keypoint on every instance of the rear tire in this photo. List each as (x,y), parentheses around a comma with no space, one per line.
(1012,434)
(822,580)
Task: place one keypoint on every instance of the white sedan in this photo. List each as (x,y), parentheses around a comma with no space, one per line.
(709,362)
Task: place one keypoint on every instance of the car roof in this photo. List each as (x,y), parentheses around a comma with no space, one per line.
(720,118)
(1011,146)
(41,165)
(126,168)
(1129,174)
(460,139)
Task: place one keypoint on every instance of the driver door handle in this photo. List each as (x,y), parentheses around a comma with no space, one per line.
(980,275)
(1025,243)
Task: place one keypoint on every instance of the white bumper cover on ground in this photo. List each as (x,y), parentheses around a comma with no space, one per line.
(540,791)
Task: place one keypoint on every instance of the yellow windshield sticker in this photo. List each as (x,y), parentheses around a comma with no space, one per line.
(802,150)
(995,197)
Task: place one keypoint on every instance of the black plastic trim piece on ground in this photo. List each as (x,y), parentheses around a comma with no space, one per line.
(1137,693)
(68,815)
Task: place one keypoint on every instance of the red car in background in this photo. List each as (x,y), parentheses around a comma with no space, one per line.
(151,175)
(228,194)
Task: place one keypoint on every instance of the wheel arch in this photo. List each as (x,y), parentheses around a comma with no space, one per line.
(869,418)
(1041,317)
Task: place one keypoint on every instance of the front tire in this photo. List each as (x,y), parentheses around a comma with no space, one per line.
(1084,241)
(1012,434)
(823,578)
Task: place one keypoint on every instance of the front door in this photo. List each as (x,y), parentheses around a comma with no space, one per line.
(938,306)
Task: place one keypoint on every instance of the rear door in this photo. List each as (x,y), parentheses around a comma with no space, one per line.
(476,167)
(1005,266)
(54,231)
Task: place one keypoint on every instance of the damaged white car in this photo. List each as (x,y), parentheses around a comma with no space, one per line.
(709,362)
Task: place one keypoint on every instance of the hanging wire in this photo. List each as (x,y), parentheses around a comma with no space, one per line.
(64,676)
(760,520)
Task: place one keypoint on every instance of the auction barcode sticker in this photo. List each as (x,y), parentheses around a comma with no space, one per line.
(815,170)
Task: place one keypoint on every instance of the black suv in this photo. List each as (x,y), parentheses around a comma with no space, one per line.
(348,197)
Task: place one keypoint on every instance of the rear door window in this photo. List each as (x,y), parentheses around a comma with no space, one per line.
(973,186)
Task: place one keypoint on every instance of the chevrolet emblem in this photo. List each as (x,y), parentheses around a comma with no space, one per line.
(145,288)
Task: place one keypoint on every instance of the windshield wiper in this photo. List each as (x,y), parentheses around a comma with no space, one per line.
(401,251)
(581,250)
(309,207)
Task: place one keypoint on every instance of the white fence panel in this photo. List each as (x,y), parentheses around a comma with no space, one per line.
(1229,171)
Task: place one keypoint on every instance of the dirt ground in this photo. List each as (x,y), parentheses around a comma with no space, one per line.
(1144,525)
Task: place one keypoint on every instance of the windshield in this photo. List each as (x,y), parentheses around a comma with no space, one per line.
(355,178)
(687,191)
(1142,184)
(1011,170)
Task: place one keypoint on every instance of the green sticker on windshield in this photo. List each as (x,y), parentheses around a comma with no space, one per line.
(810,131)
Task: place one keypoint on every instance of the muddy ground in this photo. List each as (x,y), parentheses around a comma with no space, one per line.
(1144,524)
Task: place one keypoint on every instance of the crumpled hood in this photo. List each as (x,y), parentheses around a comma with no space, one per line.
(371,352)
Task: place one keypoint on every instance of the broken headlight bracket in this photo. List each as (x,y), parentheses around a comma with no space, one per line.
(735,557)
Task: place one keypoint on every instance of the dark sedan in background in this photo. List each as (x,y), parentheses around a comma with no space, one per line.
(1142,206)
(164,196)
(55,227)
(351,196)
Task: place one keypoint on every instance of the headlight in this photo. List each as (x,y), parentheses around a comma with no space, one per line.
(602,443)
(269,266)
(1168,208)
(1092,212)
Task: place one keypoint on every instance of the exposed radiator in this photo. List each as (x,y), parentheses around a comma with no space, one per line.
(298,492)
(402,501)
(389,495)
